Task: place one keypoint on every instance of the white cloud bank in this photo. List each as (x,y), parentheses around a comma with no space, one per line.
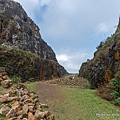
(77,25)
(72,61)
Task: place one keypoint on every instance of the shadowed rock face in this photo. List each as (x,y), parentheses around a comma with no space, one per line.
(17,30)
(106,62)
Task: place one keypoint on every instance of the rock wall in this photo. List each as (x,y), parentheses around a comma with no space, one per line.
(29,66)
(18,33)
(106,62)
(17,30)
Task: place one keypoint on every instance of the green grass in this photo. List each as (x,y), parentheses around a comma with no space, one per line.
(32,86)
(81,104)
(85,104)
(1,89)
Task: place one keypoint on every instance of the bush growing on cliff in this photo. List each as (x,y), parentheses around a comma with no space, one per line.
(115,84)
(100,45)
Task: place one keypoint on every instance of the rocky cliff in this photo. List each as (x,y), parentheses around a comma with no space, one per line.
(17,30)
(106,62)
(23,52)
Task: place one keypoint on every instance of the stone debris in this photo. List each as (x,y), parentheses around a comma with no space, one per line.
(18,103)
(67,81)
(5,80)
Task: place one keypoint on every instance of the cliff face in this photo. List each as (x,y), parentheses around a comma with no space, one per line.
(22,50)
(28,66)
(106,62)
(17,30)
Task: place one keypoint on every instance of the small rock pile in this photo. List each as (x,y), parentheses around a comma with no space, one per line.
(21,104)
(70,81)
(4,80)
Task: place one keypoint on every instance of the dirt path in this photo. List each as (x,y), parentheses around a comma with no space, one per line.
(50,94)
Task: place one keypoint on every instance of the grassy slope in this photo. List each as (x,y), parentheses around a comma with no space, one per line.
(81,104)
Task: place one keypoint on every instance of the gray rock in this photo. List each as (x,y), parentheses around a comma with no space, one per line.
(19,31)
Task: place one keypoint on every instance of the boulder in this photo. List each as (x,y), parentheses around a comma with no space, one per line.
(12,99)
(3,99)
(11,113)
(41,115)
(51,117)
(31,116)
(6,83)
(5,109)
(25,109)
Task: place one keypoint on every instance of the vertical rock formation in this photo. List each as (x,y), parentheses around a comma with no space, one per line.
(18,33)
(17,30)
(106,62)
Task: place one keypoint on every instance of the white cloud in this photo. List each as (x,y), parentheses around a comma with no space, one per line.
(62,58)
(72,60)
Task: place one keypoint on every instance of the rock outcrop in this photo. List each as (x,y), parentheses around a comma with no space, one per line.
(106,62)
(18,33)
(28,66)
(5,80)
(17,30)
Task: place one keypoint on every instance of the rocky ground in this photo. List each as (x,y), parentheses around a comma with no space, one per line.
(71,80)
(19,103)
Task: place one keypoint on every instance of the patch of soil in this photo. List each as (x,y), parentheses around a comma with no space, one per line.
(51,95)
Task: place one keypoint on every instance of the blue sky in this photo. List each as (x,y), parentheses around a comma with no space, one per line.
(73,28)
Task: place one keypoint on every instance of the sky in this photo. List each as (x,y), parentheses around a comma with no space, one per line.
(74,28)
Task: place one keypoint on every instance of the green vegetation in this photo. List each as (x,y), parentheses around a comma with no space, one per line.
(16,79)
(1,89)
(116,93)
(1,41)
(32,86)
(80,104)
(20,63)
(83,104)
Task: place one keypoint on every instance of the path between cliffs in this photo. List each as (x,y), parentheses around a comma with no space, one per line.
(75,104)
(57,100)
(51,95)
(48,92)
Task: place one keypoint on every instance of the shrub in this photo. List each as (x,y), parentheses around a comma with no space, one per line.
(116,93)
(100,45)
(115,84)
(16,79)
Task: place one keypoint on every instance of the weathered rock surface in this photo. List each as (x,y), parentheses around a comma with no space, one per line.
(23,106)
(19,33)
(106,62)
(17,30)
(27,65)
(4,80)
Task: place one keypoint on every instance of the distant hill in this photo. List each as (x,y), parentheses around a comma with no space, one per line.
(105,64)
(19,33)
